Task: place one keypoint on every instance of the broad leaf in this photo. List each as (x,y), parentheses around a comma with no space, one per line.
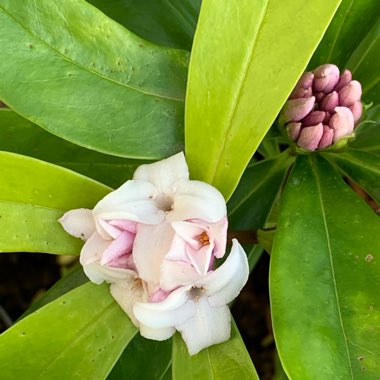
(362,167)
(246,58)
(324,278)
(365,62)
(228,360)
(252,201)
(80,75)
(84,344)
(33,196)
(143,359)
(351,23)
(19,135)
(164,22)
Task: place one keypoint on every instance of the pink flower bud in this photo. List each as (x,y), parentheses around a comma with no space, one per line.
(330,101)
(342,122)
(319,96)
(297,109)
(294,130)
(310,137)
(313,118)
(327,137)
(300,93)
(350,93)
(325,77)
(344,80)
(357,110)
(327,118)
(306,80)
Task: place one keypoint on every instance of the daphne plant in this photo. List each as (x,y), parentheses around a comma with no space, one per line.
(278,152)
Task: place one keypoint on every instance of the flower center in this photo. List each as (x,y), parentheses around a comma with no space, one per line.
(165,202)
(204,239)
(195,293)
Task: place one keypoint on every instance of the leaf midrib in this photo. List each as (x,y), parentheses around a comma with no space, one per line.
(317,180)
(237,98)
(42,42)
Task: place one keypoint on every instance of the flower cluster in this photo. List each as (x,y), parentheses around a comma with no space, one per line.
(323,108)
(155,240)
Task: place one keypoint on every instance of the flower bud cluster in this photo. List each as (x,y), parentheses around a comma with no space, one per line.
(323,108)
(155,240)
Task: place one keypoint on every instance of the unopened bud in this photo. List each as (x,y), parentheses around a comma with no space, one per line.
(342,122)
(350,93)
(297,109)
(325,78)
(310,136)
(313,118)
(344,80)
(330,101)
(306,80)
(294,130)
(357,110)
(327,137)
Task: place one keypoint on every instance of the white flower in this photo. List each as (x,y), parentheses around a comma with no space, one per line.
(199,310)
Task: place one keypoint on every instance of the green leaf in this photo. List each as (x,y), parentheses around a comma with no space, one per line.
(362,167)
(349,26)
(252,201)
(143,359)
(84,344)
(228,360)
(164,22)
(365,62)
(21,136)
(324,278)
(237,84)
(80,75)
(367,133)
(33,196)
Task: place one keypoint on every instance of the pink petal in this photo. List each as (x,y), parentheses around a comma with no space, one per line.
(310,137)
(118,248)
(176,273)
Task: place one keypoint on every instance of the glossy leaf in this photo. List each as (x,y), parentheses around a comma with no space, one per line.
(80,75)
(324,277)
(351,23)
(143,359)
(365,62)
(83,345)
(228,360)
(362,167)
(164,22)
(33,196)
(253,199)
(237,85)
(19,135)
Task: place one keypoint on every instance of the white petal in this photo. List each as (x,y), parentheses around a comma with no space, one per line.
(226,282)
(208,326)
(177,273)
(156,334)
(132,201)
(164,174)
(175,309)
(90,257)
(127,293)
(79,223)
(151,245)
(197,200)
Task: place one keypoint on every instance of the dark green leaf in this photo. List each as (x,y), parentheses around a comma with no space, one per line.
(80,75)
(246,59)
(33,196)
(143,359)
(324,278)
(351,23)
(228,360)
(365,62)
(253,199)
(78,336)
(164,22)
(362,167)
(21,136)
